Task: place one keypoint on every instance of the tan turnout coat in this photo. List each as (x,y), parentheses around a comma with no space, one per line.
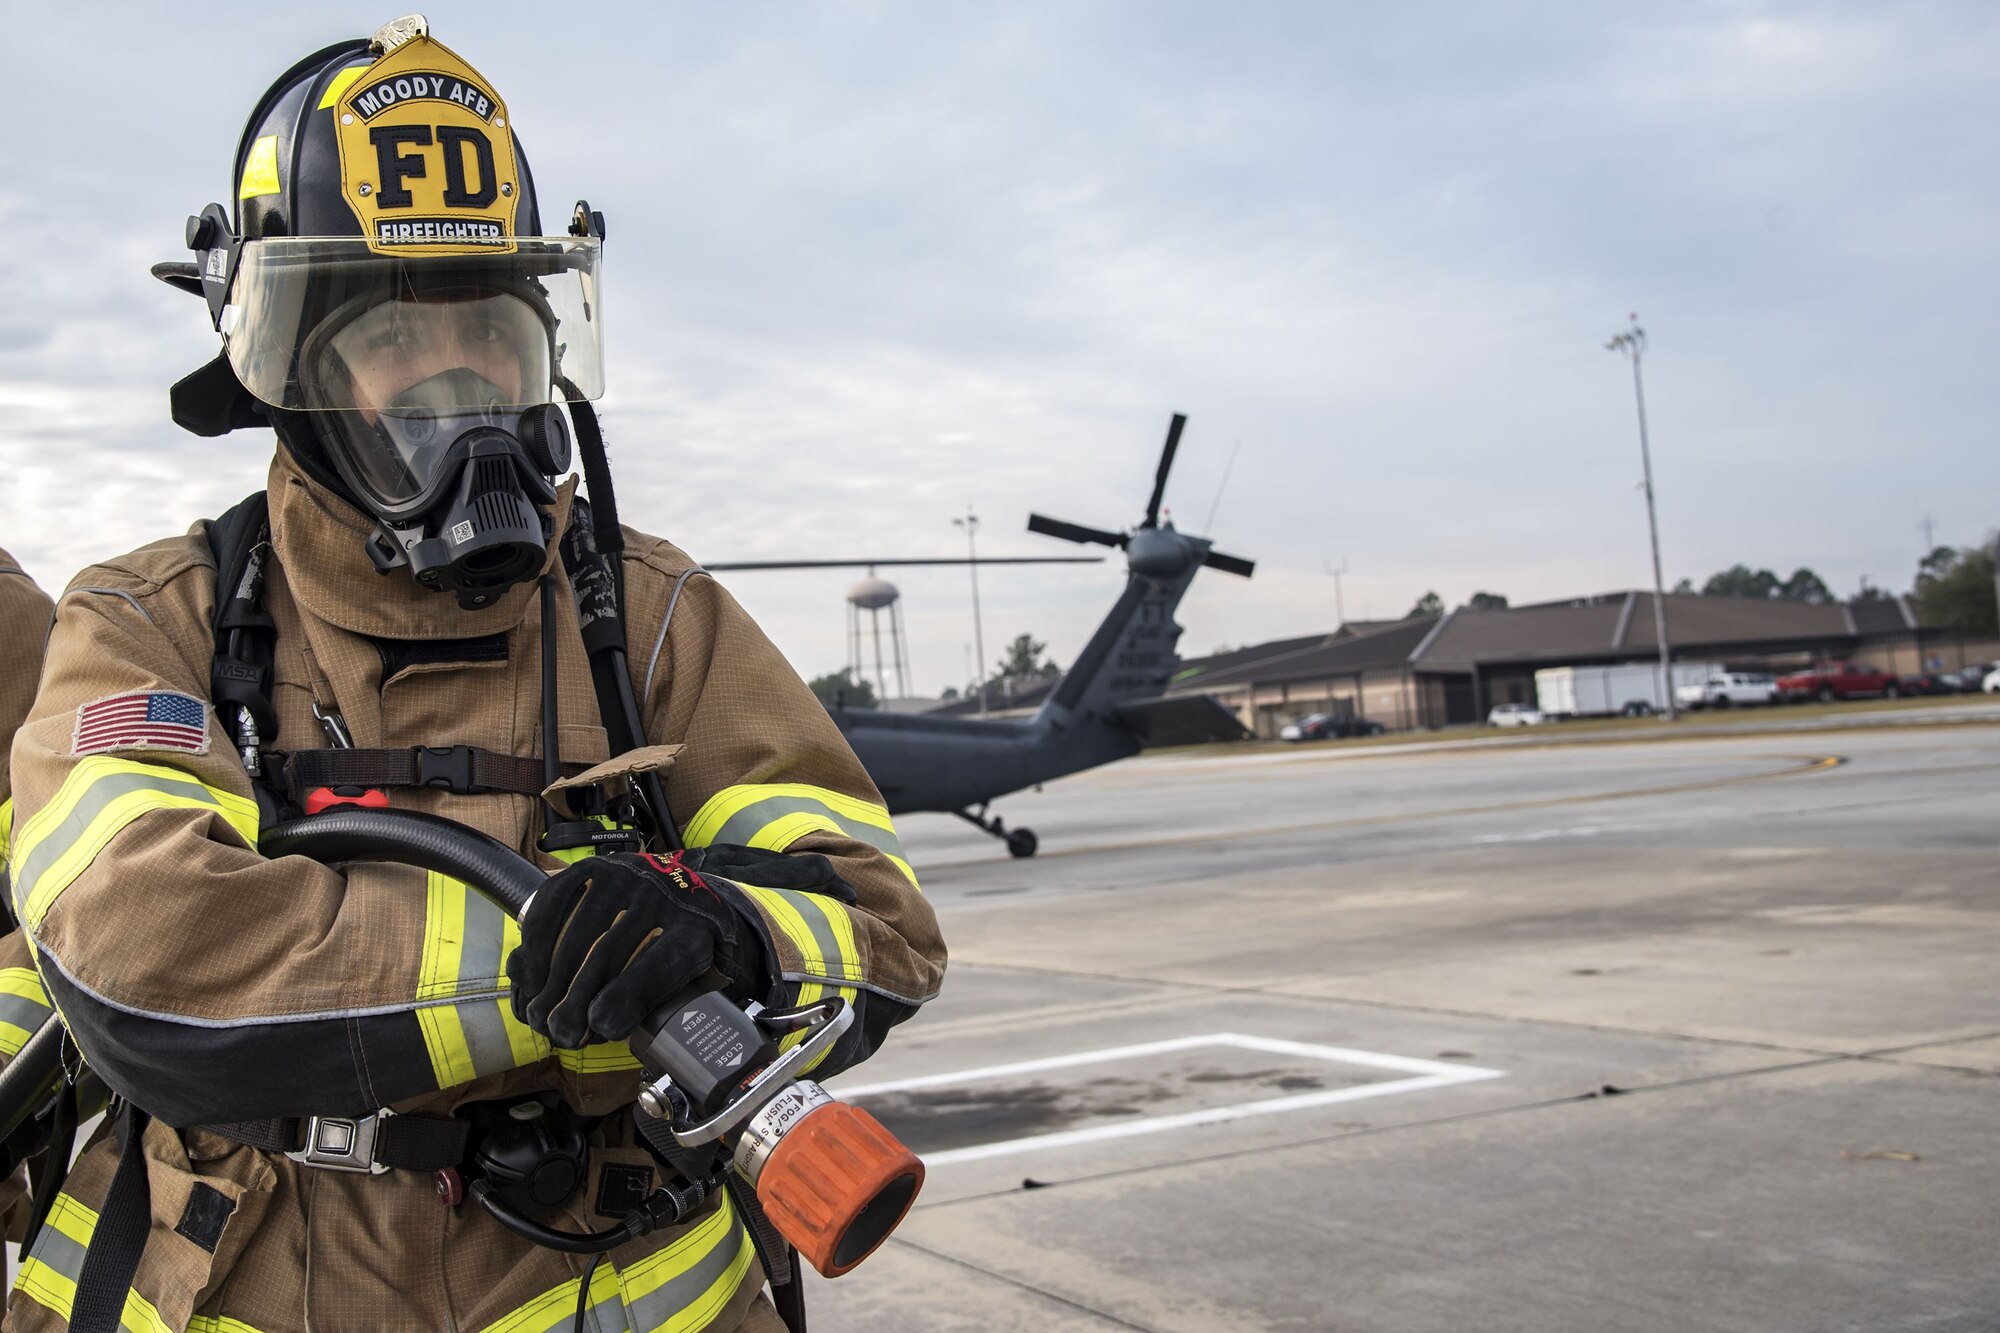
(25,611)
(212,984)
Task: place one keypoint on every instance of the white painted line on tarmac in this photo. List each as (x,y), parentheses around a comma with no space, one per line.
(1426,1074)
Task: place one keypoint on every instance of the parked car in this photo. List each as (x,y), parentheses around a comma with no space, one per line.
(1728,689)
(1838,680)
(1931,682)
(1991,685)
(1516,715)
(1971,678)
(1326,726)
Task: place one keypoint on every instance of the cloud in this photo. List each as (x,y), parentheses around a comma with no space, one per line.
(870,262)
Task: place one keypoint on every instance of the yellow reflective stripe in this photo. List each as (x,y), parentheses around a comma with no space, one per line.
(49,1282)
(607,1057)
(340,83)
(260,169)
(774,815)
(101,795)
(479,1035)
(12,1039)
(807,993)
(527,1044)
(469,1031)
(24,982)
(437,978)
(679,1288)
(24,1007)
(556,1307)
(665,1291)
(218,1323)
(444,937)
(817,926)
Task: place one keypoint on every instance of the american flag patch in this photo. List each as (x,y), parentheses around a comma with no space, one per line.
(157,720)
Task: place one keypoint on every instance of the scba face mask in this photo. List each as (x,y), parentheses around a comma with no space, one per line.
(433,406)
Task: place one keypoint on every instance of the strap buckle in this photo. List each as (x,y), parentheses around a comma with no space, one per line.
(342,1143)
(447,766)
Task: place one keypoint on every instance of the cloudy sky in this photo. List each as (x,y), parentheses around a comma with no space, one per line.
(870,262)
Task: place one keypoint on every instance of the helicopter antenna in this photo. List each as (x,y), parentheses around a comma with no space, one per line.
(1209,525)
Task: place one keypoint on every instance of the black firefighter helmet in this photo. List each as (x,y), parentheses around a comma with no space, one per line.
(387,303)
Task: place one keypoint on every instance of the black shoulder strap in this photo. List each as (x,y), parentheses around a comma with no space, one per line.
(597,578)
(246,638)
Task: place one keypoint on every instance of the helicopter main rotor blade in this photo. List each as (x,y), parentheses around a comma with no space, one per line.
(1166,466)
(1073,532)
(1229,564)
(723,565)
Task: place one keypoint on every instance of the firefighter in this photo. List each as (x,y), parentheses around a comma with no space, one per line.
(312,1063)
(25,611)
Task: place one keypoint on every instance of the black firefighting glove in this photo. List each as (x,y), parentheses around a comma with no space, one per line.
(610,939)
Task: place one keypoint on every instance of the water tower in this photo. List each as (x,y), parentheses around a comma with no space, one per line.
(874,596)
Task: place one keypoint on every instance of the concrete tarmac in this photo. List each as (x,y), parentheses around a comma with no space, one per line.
(1695,1034)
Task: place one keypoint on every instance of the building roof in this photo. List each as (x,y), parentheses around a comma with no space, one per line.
(1606,628)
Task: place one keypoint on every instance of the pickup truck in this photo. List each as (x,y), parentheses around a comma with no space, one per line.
(1727,689)
(1838,680)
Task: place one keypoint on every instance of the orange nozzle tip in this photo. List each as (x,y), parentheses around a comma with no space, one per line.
(837,1185)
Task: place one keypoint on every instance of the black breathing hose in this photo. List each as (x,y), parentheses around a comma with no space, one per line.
(568,1242)
(406,837)
(30,1077)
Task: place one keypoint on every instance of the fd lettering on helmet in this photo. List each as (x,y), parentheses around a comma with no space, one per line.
(427,158)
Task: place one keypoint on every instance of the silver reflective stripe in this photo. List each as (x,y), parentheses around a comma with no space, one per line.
(486,1037)
(479,969)
(746,823)
(813,912)
(658,1307)
(22,1012)
(52,844)
(607,1316)
(58,1252)
(479,955)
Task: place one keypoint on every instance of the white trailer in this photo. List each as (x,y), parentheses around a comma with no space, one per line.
(1629,688)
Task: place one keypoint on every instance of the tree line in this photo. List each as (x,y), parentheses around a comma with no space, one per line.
(1021,666)
(1953,588)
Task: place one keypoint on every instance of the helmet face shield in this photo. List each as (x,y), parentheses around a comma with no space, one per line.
(318,324)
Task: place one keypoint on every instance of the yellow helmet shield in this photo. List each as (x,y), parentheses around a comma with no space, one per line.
(427,161)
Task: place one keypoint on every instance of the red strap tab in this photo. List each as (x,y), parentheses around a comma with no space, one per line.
(325,798)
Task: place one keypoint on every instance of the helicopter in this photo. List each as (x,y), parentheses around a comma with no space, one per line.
(1108,706)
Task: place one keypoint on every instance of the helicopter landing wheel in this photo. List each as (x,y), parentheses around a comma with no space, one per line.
(1021,843)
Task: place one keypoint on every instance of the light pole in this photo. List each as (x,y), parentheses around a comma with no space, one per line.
(1632,343)
(1339,609)
(971,525)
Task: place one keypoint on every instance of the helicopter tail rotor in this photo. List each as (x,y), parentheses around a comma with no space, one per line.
(1166,466)
(1074,532)
(1156,550)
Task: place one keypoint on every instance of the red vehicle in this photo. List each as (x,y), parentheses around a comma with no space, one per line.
(1838,680)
